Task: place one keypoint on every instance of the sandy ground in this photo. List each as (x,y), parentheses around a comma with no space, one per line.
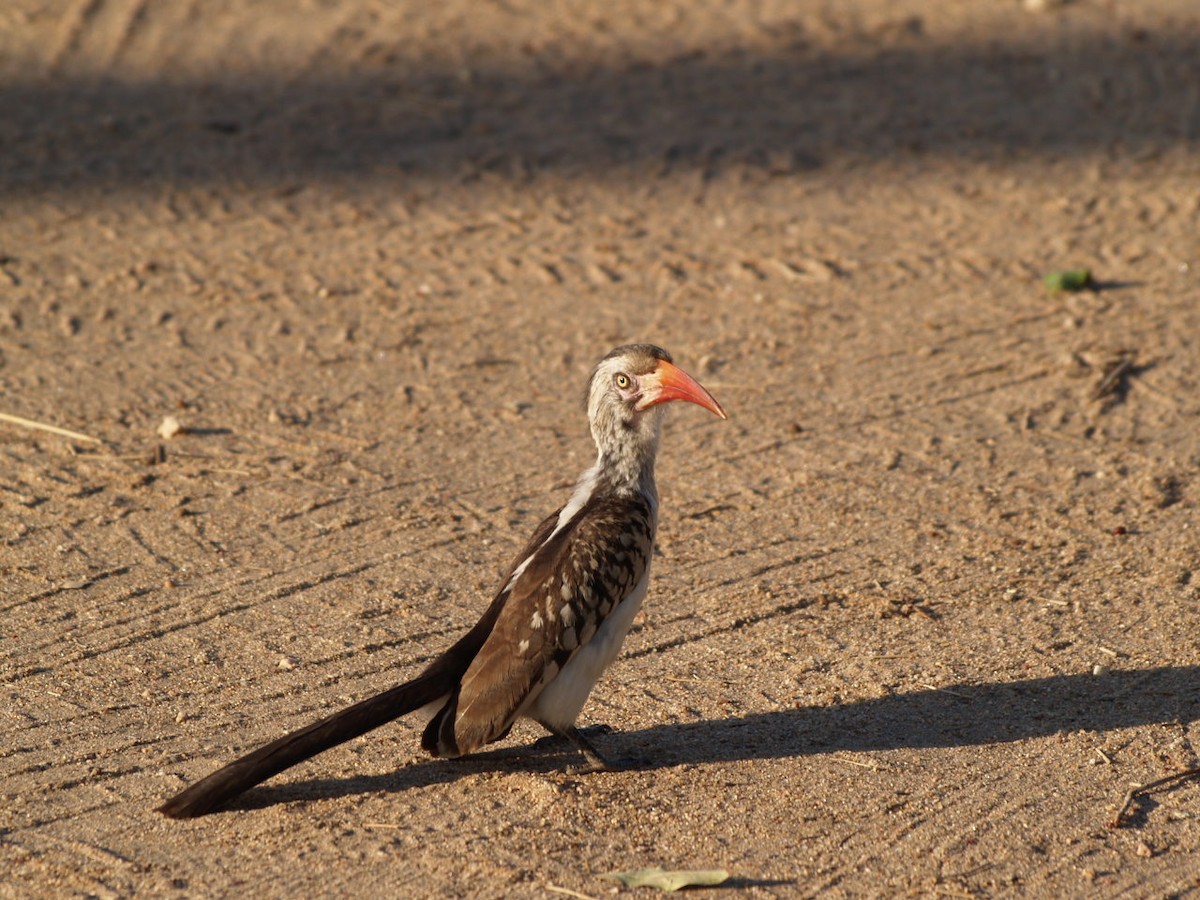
(923,609)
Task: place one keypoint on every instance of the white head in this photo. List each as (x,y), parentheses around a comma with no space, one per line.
(625,398)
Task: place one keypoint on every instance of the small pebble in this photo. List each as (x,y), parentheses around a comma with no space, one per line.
(169,428)
(1100,669)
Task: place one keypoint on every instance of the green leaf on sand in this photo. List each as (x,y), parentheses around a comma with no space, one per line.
(1069,280)
(669,880)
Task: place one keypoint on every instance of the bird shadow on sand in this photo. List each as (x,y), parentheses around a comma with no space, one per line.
(960,715)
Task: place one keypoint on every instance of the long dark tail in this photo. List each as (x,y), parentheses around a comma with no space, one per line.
(242,774)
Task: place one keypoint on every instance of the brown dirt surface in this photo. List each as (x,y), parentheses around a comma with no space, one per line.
(923,609)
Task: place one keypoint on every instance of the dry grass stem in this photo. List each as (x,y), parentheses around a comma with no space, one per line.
(42,426)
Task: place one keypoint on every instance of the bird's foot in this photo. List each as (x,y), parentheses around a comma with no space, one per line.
(589,768)
(607,764)
(593,761)
(592,731)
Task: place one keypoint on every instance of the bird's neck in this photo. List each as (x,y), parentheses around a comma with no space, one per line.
(606,478)
(625,474)
(625,466)
(625,452)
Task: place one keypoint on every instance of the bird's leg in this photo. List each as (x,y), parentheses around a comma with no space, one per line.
(595,762)
(555,737)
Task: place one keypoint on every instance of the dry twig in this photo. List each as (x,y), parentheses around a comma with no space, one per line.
(1142,790)
(1117,371)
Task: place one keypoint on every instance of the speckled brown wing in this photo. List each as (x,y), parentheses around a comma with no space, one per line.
(572,582)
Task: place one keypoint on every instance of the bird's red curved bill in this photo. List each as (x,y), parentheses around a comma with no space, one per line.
(676,384)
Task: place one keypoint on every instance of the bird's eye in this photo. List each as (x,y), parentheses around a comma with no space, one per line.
(622,381)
